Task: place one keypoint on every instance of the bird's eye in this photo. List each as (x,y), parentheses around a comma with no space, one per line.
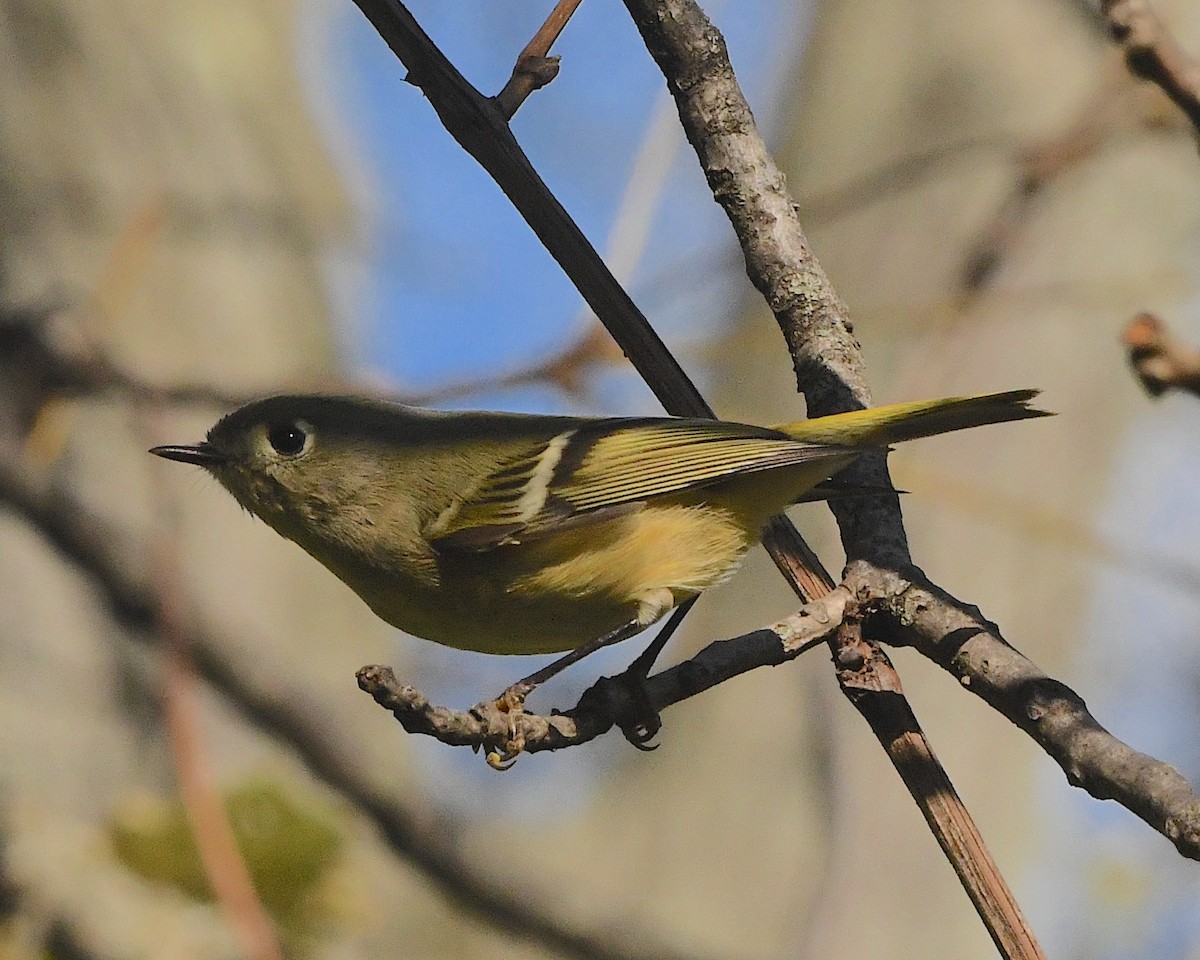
(288,439)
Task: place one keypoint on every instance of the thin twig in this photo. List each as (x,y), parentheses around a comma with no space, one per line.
(1160,360)
(1153,53)
(534,69)
(871,683)
(609,703)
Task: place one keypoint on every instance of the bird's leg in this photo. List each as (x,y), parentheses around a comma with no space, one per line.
(517,693)
(645,722)
(512,700)
(651,607)
(641,666)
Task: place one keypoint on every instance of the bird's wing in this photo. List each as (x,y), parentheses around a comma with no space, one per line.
(607,466)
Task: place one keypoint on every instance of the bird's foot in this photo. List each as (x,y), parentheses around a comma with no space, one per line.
(511,703)
(626,699)
(640,721)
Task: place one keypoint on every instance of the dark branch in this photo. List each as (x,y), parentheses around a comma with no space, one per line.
(1153,54)
(610,702)
(478,126)
(913,612)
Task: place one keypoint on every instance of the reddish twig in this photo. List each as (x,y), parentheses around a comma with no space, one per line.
(1160,360)
(224,865)
(534,69)
(871,683)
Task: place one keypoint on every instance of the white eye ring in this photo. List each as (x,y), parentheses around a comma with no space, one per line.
(290,438)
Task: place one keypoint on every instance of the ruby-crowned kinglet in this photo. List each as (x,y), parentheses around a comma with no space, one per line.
(509,533)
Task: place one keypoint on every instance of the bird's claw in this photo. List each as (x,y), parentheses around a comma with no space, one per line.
(642,732)
(501,760)
(625,699)
(511,703)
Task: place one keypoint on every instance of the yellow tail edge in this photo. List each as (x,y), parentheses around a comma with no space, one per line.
(898,422)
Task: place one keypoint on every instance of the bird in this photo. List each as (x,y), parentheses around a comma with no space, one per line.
(510,533)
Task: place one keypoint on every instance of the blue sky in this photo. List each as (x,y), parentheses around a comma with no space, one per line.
(459,286)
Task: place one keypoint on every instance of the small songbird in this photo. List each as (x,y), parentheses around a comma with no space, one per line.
(518,534)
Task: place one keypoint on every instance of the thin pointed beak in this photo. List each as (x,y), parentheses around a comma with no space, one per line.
(201,454)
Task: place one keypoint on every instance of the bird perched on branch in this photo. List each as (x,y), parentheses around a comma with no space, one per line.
(520,534)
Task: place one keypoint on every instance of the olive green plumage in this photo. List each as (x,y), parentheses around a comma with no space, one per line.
(510,533)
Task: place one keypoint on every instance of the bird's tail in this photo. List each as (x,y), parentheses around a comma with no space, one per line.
(881,426)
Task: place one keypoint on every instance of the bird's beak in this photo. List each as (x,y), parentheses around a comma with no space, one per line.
(201,454)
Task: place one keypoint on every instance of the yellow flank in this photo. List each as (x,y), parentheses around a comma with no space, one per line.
(683,549)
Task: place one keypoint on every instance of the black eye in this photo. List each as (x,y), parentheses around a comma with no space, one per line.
(287,439)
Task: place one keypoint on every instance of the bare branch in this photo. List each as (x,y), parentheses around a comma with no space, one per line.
(913,612)
(901,609)
(1153,54)
(478,126)
(871,683)
(609,702)
(751,189)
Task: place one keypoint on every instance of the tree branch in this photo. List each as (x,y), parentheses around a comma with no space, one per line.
(903,609)
(911,611)
(871,683)
(609,702)
(752,190)
(1160,360)
(1152,53)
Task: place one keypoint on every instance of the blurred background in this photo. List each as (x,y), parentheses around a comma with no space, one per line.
(208,202)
